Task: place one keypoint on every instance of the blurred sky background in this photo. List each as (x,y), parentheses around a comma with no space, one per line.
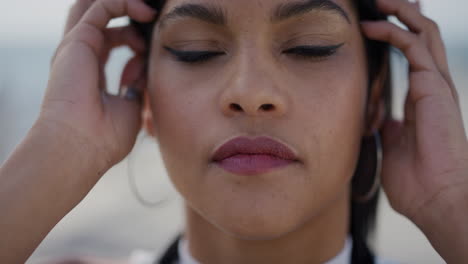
(110,222)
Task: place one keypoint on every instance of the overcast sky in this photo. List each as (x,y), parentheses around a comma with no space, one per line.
(42,21)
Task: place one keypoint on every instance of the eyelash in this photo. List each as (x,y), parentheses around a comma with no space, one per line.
(305,52)
(313,52)
(193,56)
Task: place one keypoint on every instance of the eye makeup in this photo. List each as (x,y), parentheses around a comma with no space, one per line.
(301,52)
(313,52)
(193,56)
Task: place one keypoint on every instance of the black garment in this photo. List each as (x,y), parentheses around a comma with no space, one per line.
(360,253)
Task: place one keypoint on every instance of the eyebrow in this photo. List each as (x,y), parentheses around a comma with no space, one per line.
(288,10)
(216,15)
(208,13)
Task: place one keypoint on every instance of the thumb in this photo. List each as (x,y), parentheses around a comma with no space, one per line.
(126,107)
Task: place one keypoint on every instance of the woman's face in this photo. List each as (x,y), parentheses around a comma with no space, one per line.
(261,56)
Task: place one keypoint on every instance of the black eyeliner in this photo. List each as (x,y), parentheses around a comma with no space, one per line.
(313,51)
(193,56)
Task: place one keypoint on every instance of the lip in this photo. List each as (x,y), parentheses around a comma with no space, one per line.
(242,155)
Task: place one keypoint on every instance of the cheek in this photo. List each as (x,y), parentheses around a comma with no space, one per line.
(184,123)
(331,107)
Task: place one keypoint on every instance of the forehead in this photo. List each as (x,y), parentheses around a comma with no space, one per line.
(235,9)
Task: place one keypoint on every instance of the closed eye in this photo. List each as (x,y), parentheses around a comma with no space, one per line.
(313,52)
(306,52)
(193,56)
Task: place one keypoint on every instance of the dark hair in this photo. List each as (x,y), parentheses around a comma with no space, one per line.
(363,214)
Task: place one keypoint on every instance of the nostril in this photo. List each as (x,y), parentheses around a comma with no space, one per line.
(236,107)
(267,107)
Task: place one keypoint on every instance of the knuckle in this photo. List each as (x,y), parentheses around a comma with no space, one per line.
(85,34)
(88,34)
(406,39)
(112,7)
(432,26)
(411,39)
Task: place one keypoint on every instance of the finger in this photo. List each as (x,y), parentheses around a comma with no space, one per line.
(78,9)
(414,49)
(103,11)
(126,35)
(410,14)
(422,66)
(133,78)
(76,12)
(89,30)
(120,36)
(126,107)
(406,12)
(112,38)
(116,37)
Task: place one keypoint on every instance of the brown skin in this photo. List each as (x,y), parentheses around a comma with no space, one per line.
(317,106)
(275,217)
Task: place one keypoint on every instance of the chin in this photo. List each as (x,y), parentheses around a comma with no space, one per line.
(256,208)
(260,229)
(259,221)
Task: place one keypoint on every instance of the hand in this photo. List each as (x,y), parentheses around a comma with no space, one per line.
(425,156)
(76,103)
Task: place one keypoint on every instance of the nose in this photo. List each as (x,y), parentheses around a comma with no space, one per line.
(254,88)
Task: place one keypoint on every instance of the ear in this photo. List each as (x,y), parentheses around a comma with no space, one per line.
(376,108)
(147,115)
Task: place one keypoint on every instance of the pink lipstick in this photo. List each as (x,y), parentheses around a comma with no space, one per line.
(246,156)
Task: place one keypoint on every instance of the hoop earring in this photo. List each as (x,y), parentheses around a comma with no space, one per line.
(132,179)
(366,179)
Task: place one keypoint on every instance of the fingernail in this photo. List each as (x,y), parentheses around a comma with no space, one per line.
(132,94)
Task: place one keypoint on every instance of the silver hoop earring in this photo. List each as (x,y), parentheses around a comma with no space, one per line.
(132,179)
(366,179)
